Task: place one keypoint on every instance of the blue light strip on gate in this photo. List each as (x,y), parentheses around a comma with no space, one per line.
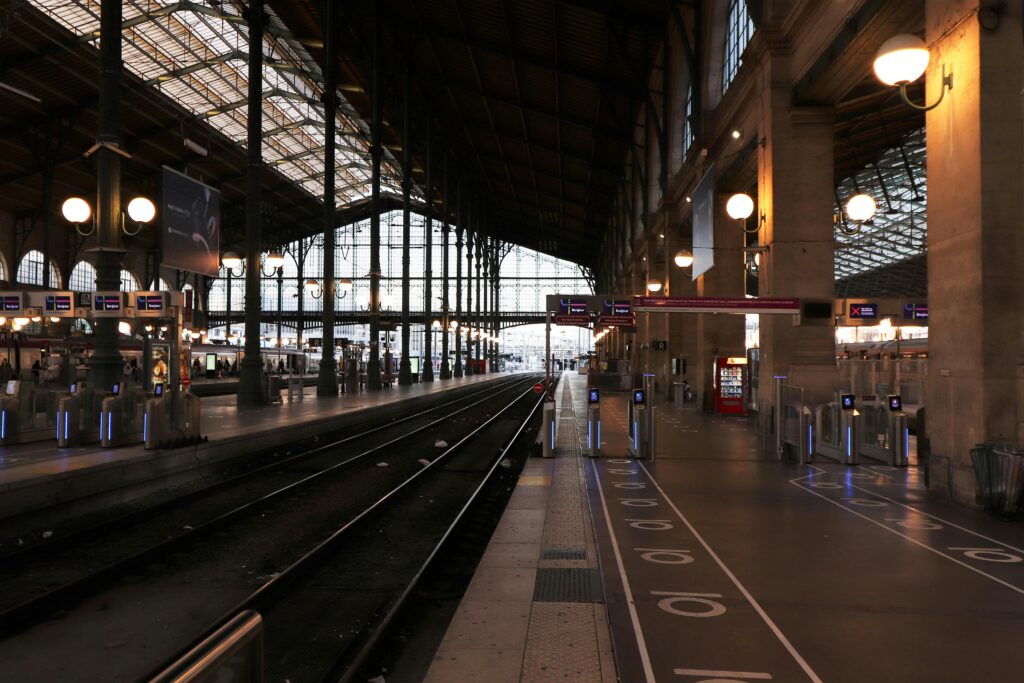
(101,424)
(849,442)
(590,440)
(65,425)
(145,425)
(58,425)
(636,437)
(110,426)
(598,433)
(3,424)
(906,445)
(810,439)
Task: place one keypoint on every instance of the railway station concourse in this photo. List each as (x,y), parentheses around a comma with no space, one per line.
(511,340)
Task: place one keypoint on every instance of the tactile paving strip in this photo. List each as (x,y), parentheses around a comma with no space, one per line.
(563,555)
(568,585)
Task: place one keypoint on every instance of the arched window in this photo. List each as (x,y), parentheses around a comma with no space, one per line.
(161,285)
(129,283)
(738,30)
(83,277)
(3,269)
(30,270)
(688,122)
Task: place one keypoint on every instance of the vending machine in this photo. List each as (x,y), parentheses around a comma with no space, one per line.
(731,381)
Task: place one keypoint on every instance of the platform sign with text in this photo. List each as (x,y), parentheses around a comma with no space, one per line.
(59,304)
(617,313)
(862,311)
(915,311)
(571,306)
(715,304)
(578,320)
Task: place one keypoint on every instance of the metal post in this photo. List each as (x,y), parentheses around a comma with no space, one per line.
(251,390)
(778,417)
(404,367)
(327,377)
(470,320)
(428,273)
(458,277)
(373,364)
(479,302)
(446,368)
(105,363)
(485,302)
(547,345)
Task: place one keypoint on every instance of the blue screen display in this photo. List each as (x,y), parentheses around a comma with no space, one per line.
(639,396)
(594,396)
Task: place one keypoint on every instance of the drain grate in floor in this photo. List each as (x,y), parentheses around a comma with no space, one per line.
(568,585)
(563,555)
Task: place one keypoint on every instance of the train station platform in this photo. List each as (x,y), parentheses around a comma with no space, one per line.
(36,476)
(715,562)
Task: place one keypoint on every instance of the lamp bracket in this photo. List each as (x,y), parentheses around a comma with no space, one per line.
(947,84)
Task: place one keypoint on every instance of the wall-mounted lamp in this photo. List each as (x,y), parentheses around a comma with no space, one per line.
(752,258)
(653,286)
(902,60)
(230,260)
(860,208)
(683,258)
(78,212)
(739,207)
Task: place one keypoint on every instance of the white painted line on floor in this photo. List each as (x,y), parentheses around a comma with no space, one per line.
(732,577)
(723,675)
(641,643)
(795,482)
(936,517)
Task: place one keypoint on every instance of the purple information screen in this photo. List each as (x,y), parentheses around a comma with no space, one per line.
(573,306)
(915,311)
(618,306)
(149,302)
(107,302)
(58,302)
(10,303)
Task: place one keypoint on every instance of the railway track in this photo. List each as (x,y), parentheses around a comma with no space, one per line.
(318,474)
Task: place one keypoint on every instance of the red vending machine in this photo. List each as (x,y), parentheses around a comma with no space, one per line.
(731,385)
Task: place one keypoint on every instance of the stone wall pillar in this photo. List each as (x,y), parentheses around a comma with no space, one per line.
(719,334)
(796,198)
(975,387)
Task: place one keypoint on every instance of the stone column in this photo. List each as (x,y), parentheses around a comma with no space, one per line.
(975,387)
(720,334)
(796,197)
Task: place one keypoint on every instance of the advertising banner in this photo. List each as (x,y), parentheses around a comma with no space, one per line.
(704,224)
(190,224)
(712,304)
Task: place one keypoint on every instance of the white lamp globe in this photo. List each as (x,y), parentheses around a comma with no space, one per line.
(654,286)
(436,324)
(76,210)
(740,206)
(311,286)
(901,59)
(345,284)
(454,324)
(860,208)
(274,260)
(683,259)
(231,260)
(141,210)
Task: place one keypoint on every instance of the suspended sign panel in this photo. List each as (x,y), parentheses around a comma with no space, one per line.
(581,320)
(190,224)
(704,224)
(712,304)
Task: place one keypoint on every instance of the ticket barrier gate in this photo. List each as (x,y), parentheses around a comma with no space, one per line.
(641,444)
(121,417)
(548,430)
(796,432)
(837,425)
(593,423)
(171,418)
(886,434)
(27,413)
(78,416)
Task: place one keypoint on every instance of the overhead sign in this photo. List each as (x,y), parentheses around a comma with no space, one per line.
(59,304)
(915,311)
(573,307)
(616,320)
(704,224)
(863,311)
(617,307)
(190,224)
(578,320)
(711,304)
(108,304)
(151,304)
(11,303)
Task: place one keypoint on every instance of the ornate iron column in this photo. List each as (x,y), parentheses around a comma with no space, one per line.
(327,380)
(446,366)
(404,367)
(428,264)
(470,321)
(459,215)
(373,364)
(105,362)
(251,382)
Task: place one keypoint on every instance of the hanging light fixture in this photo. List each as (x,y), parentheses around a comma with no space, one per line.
(683,258)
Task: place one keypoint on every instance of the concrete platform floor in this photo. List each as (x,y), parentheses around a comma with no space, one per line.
(721,564)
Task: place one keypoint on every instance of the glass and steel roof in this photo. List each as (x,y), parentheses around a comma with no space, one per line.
(195,53)
(898,232)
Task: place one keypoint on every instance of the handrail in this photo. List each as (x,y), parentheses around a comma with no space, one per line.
(216,657)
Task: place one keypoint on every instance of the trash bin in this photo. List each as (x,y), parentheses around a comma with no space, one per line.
(1000,473)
